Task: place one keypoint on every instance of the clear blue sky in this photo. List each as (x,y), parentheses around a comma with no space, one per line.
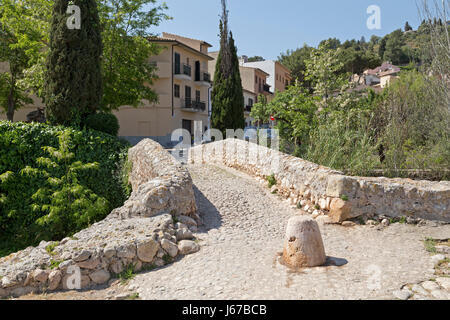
(269,27)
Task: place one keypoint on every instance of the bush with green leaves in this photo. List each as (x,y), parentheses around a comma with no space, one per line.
(271,180)
(55,181)
(414,126)
(344,141)
(104,122)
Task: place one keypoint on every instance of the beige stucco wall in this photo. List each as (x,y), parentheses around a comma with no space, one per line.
(193,43)
(212,63)
(156,120)
(281,75)
(387,80)
(248,95)
(251,78)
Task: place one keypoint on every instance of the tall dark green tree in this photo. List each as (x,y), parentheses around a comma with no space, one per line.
(382,47)
(394,48)
(294,60)
(73,84)
(227,94)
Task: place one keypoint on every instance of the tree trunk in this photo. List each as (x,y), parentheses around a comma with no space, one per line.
(11,104)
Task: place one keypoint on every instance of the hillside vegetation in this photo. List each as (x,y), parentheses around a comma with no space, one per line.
(402,131)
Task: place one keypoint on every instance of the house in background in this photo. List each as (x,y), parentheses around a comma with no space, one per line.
(381,75)
(249,99)
(183,87)
(279,77)
(388,77)
(371,78)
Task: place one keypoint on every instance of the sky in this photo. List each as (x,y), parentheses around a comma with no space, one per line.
(268,27)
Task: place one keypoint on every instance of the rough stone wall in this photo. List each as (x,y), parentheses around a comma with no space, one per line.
(327,188)
(159,183)
(150,230)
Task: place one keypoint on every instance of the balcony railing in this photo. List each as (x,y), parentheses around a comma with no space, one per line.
(183,69)
(206,77)
(266,88)
(193,104)
(203,76)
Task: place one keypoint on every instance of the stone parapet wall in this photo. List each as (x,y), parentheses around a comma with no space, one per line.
(152,228)
(159,183)
(344,197)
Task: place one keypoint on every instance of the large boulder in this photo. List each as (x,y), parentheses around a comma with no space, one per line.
(340,210)
(303,245)
(187,247)
(147,249)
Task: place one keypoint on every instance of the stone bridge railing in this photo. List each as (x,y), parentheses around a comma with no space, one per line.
(343,196)
(149,231)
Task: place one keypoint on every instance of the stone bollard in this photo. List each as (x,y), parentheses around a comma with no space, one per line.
(303,245)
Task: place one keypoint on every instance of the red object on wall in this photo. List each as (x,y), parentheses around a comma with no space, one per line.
(272,118)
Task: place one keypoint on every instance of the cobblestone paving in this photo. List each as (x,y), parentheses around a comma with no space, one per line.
(243,234)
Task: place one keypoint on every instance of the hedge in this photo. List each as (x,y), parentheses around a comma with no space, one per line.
(55,181)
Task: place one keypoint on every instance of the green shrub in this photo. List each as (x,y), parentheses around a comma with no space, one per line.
(55,181)
(343,141)
(127,274)
(271,180)
(104,122)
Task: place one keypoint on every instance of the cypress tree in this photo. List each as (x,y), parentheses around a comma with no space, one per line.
(227,94)
(73,84)
(407,26)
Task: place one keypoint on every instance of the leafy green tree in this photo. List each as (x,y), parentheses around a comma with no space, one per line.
(294,112)
(12,95)
(28,24)
(294,60)
(12,52)
(357,61)
(415,125)
(255,59)
(127,71)
(69,205)
(73,84)
(322,69)
(331,43)
(227,94)
(382,47)
(394,48)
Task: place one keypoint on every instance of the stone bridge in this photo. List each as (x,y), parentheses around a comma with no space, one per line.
(342,197)
(213,229)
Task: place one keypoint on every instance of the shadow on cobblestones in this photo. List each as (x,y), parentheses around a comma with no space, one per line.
(211,218)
